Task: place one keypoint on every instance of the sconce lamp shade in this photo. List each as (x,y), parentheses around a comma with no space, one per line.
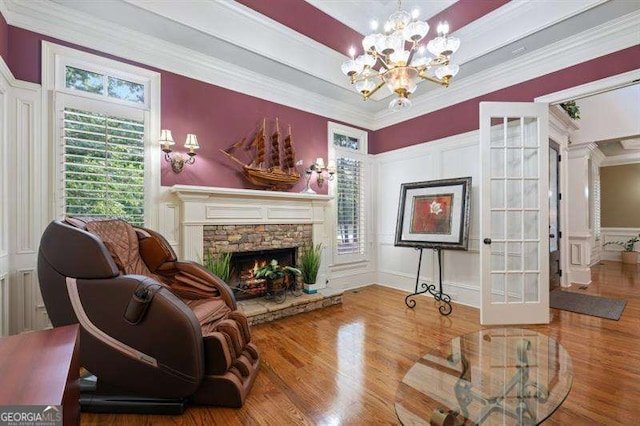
(166,139)
(332,166)
(320,163)
(191,142)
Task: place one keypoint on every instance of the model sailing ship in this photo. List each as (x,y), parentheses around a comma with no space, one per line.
(275,175)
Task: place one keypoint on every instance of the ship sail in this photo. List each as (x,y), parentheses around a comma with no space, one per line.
(258,144)
(276,176)
(275,149)
(289,153)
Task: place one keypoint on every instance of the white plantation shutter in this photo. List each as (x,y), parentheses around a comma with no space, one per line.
(348,149)
(350,206)
(596,202)
(103,165)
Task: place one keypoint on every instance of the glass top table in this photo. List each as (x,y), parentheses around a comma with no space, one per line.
(498,376)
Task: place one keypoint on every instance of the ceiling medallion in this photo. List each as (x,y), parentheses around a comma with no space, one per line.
(396,58)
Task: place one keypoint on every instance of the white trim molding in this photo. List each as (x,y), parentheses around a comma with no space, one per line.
(64,23)
(54,58)
(620,160)
(610,37)
(612,251)
(57,21)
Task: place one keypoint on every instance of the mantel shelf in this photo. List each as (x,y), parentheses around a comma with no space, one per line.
(190,192)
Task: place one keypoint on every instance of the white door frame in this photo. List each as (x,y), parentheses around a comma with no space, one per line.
(572,93)
(517,307)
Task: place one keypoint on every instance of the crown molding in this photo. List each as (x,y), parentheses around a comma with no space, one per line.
(610,37)
(228,21)
(591,88)
(620,160)
(63,23)
(516,20)
(60,22)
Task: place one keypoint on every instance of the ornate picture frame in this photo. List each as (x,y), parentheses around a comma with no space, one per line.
(434,214)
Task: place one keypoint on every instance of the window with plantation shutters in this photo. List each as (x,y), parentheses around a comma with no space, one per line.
(596,202)
(350,206)
(347,148)
(103,165)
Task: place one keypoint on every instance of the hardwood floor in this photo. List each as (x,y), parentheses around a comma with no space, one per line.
(342,365)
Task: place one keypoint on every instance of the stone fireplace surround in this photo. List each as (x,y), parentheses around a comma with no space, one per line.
(241,238)
(208,215)
(255,239)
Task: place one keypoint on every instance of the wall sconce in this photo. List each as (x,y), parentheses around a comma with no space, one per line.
(323,172)
(177,159)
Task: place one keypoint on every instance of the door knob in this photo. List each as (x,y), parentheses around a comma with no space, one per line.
(487,240)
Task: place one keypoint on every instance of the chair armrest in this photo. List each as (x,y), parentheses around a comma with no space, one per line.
(166,342)
(202,282)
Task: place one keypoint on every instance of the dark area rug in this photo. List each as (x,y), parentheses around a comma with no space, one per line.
(596,306)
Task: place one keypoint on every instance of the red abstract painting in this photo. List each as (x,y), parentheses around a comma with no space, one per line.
(431,214)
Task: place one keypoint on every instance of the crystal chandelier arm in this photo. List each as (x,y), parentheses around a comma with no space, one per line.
(367,96)
(433,79)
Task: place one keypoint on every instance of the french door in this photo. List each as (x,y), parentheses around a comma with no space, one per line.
(514,254)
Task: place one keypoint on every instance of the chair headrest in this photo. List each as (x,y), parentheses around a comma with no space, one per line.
(76,253)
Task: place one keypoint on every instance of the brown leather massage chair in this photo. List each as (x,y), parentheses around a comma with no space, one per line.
(155,332)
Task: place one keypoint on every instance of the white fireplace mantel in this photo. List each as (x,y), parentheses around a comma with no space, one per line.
(202,205)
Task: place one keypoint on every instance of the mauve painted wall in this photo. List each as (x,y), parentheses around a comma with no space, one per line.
(4,39)
(218,116)
(463,117)
(310,21)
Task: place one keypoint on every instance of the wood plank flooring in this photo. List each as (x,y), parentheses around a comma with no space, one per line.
(342,365)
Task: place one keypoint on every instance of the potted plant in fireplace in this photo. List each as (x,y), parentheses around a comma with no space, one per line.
(310,258)
(628,255)
(275,275)
(219,264)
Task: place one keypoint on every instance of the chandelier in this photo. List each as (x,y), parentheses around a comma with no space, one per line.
(396,58)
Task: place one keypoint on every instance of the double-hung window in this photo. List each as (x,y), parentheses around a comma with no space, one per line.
(104,113)
(348,148)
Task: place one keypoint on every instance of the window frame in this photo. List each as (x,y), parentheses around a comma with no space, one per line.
(62,62)
(360,154)
(56,96)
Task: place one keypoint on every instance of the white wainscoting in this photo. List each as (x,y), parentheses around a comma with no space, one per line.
(612,251)
(23,204)
(4,207)
(456,156)
(27,196)
(580,258)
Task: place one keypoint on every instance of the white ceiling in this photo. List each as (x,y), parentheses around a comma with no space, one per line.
(494,47)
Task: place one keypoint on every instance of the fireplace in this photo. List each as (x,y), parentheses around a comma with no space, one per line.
(244,265)
(228,220)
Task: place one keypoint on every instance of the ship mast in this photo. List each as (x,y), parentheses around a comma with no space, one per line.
(275,148)
(289,153)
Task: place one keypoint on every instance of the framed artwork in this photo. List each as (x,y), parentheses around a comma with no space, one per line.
(434,214)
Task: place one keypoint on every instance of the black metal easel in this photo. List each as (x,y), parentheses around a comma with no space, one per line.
(442,298)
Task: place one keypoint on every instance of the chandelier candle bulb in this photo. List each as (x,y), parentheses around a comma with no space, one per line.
(396,58)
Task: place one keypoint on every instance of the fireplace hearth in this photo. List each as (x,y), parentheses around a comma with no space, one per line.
(243,267)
